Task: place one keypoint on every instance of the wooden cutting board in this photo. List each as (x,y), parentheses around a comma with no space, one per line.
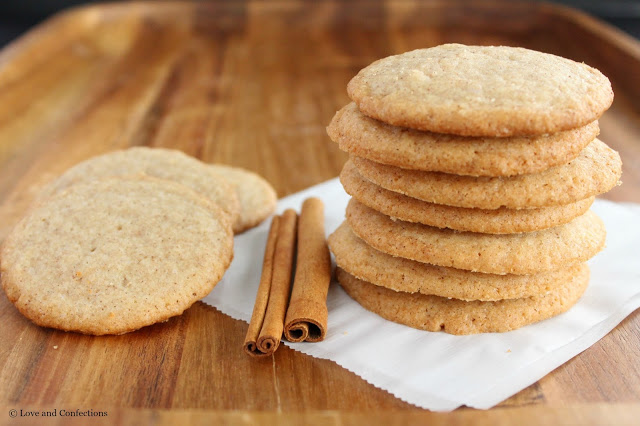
(254,84)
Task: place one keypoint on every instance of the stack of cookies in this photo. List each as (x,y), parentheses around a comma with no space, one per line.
(472,170)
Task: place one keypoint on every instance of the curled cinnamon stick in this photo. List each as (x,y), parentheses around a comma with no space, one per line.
(307,314)
(262,297)
(272,327)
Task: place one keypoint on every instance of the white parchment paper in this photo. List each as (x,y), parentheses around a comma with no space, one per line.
(439,371)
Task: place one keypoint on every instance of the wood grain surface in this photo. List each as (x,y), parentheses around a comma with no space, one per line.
(254,84)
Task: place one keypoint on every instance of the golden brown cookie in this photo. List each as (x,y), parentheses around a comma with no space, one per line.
(526,253)
(257,197)
(497,221)
(115,255)
(366,263)
(596,170)
(438,152)
(433,313)
(481,91)
(169,164)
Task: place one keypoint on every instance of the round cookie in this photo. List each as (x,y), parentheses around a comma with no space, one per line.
(433,313)
(526,253)
(257,197)
(481,91)
(438,152)
(115,255)
(596,170)
(496,221)
(366,263)
(161,163)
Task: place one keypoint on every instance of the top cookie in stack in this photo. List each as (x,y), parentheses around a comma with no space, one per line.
(481,91)
(498,142)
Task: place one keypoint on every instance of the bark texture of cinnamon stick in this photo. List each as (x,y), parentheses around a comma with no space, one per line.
(262,297)
(307,313)
(273,324)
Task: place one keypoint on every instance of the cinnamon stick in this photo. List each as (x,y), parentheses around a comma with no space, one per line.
(273,324)
(262,297)
(307,314)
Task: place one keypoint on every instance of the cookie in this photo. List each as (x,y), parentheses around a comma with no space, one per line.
(434,313)
(497,221)
(366,263)
(111,256)
(438,152)
(257,197)
(481,91)
(161,163)
(526,253)
(596,170)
